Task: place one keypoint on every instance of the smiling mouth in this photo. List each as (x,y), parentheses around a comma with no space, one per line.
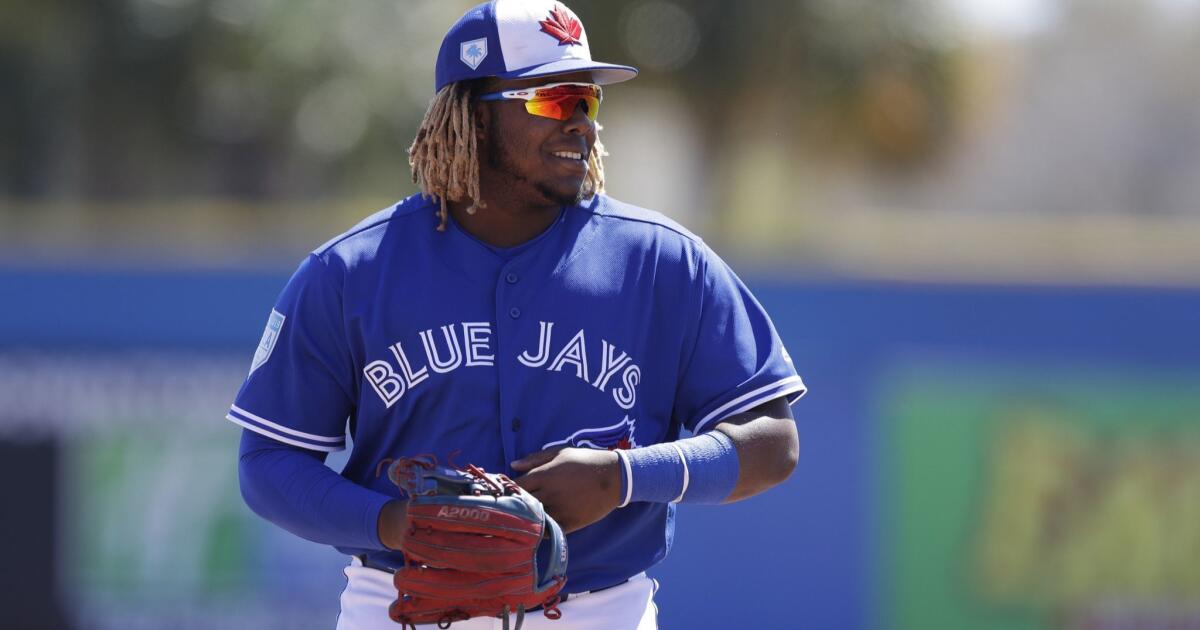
(568,155)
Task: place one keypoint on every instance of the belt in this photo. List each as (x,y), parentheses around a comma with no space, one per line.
(562,596)
(374,565)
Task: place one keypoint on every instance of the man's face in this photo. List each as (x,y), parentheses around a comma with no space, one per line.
(524,153)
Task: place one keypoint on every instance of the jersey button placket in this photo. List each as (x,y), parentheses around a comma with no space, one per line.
(511,277)
(506,297)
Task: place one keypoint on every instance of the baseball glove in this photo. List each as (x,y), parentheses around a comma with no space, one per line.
(476,545)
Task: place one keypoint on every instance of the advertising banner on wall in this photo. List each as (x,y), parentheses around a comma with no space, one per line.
(1032,497)
(151,531)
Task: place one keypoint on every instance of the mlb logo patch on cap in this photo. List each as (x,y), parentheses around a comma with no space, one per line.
(513,39)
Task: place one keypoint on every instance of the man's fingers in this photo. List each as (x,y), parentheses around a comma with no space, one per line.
(563,520)
(533,460)
(531,483)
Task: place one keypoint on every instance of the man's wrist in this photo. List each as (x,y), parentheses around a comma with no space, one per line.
(391,524)
(616,478)
(699,469)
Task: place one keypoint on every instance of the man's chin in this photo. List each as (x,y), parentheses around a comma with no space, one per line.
(562,197)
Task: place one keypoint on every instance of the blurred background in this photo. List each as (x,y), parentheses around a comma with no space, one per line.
(976,224)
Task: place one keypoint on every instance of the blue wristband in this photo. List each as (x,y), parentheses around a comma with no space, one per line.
(699,469)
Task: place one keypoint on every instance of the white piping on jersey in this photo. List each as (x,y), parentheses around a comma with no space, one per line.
(790,385)
(289,431)
(285,440)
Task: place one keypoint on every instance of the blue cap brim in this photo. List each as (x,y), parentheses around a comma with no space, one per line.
(602,73)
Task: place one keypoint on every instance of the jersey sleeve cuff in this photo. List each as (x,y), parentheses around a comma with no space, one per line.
(284,434)
(792,387)
(371,521)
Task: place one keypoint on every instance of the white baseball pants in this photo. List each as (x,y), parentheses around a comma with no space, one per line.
(629,606)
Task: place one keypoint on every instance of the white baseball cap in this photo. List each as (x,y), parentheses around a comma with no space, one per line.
(514,39)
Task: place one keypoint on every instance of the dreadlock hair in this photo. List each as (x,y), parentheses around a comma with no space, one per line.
(444,156)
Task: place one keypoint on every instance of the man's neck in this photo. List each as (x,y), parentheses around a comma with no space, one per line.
(504,226)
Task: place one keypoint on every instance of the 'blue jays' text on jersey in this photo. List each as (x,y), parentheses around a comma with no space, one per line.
(614,328)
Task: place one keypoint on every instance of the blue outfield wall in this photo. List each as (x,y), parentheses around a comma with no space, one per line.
(806,554)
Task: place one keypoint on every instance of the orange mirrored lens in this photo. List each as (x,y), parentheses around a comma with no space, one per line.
(562,107)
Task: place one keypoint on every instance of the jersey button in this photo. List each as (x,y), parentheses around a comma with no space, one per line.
(511,278)
(516,424)
(514,312)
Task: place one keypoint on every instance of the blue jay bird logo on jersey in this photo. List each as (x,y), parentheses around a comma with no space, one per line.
(473,52)
(619,435)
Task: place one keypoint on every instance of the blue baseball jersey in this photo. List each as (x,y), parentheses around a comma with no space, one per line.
(614,328)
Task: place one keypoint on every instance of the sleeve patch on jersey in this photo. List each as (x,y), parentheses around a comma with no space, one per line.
(270,336)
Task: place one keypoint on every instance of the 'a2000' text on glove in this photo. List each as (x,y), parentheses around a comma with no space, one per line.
(476,545)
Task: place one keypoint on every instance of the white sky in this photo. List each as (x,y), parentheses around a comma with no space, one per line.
(1011,17)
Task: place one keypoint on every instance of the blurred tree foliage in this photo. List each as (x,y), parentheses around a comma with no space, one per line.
(281,99)
(856,73)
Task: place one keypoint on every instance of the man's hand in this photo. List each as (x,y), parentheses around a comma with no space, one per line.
(577,486)
(391,524)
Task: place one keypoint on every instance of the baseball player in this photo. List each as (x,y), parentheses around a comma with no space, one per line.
(514,317)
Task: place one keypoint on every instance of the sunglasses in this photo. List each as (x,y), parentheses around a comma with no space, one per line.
(554,100)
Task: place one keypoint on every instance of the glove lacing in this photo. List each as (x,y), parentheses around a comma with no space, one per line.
(402,473)
(404,476)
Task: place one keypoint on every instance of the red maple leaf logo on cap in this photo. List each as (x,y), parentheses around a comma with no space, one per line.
(563,26)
